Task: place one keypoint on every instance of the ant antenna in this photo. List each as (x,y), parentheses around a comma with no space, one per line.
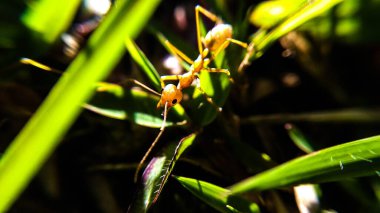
(153,144)
(142,85)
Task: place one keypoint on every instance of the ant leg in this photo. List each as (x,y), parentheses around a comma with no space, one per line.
(217,70)
(178,53)
(169,78)
(225,71)
(207,97)
(37,64)
(248,55)
(226,43)
(208,14)
(142,161)
(220,48)
(240,43)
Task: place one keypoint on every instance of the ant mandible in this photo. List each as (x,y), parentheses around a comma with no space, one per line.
(216,40)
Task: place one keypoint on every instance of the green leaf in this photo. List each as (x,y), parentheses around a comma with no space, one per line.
(157,173)
(145,194)
(354,115)
(144,63)
(298,138)
(269,13)
(353,159)
(42,18)
(310,11)
(34,144)
(217,197)
(217,87)
(114,101)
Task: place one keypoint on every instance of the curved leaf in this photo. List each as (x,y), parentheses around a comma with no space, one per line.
(310,11)
(269,13)
(144,63)
(157,173)
(353,159)
(217,197)
(42,18)
(299,138)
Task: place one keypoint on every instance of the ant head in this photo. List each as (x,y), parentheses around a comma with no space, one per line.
(170,94)
(217,36)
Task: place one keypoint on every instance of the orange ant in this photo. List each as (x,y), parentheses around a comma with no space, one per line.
(216,40)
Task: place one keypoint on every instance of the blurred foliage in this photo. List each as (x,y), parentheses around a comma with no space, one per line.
(314,88)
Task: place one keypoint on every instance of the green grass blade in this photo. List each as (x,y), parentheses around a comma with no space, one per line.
(42,133)
(145,194)
(42,18)
(157,173)
(353,159)
(217,197)
(144,63)
(269,13)
(217,86)
(310,11)
(354,115)
(299,138)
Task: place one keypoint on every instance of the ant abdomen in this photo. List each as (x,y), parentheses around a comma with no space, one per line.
(217,36)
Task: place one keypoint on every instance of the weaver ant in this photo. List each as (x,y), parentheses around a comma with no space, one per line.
(216,40)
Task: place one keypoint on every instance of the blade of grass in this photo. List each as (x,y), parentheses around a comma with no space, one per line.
(353,159)
(144,63)
(216,196)
(299,138)
(157,173)
(42,133)
(42,18)
(358,115)
(312,10)
(267,14)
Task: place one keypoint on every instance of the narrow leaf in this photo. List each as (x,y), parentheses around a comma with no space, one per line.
(353,159)
(144,63)
(156,175)
(310,11)
(217,197)
(298,138)
(185,143)
(43,132)
(41,17)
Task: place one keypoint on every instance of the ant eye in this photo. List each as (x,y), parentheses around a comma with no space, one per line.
(174,101)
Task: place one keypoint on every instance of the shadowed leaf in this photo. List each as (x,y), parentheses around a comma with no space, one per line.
(157,173)
(217,197)
(352,159)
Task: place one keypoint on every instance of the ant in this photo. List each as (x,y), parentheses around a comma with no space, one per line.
(216,40)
